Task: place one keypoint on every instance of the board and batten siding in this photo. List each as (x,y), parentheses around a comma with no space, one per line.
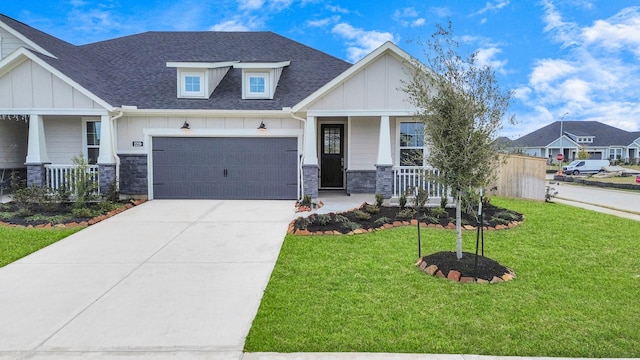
(13,143)
(63,138)
(363,143)
(377,86)
(130,128)
(29,85)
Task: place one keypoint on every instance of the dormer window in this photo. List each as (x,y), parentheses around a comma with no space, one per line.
(256,85)
(260,80)
(192,85)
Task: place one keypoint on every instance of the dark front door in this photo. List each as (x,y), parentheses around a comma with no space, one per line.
(332,156)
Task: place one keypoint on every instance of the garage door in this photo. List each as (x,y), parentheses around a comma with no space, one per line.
(225,168)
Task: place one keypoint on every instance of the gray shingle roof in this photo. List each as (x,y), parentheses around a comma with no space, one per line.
(132,70)
(604,135)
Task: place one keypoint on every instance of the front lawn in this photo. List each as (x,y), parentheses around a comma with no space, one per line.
(575,295)
(16,243)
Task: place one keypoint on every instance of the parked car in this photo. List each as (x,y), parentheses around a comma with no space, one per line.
(577,167)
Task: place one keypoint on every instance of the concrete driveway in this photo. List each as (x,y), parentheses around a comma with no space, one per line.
(166,279)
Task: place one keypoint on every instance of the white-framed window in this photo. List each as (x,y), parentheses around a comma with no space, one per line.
(256,85)
(411,144)
(192,84)
(615,153)
(91,140)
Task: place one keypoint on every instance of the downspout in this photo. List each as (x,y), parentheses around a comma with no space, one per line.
(304,121)
(113,147)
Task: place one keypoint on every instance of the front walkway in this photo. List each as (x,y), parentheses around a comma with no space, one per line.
(164,280)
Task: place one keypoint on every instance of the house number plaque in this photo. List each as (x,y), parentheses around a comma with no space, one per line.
(138,144)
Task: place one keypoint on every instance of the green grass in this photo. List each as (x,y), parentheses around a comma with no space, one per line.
(575,295)
(16,243)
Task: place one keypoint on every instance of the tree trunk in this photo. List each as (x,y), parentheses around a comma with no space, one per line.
(459,224)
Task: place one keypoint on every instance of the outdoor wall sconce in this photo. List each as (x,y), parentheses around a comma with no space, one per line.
(262,126)
(185,126)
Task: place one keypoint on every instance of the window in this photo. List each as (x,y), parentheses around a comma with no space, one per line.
(411,144)
(192,83)
(256,85)
(615,153)
(93,141)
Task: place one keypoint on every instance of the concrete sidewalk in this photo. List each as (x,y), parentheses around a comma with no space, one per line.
(166,279)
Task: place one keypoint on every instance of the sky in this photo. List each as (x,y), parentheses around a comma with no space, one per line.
(563,59)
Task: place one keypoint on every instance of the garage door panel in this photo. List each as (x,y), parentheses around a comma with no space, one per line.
(225,168)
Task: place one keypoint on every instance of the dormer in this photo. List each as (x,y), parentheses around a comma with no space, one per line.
(198,80)
(260,79)
(582,138)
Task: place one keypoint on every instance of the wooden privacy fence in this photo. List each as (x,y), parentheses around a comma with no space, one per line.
(522,177)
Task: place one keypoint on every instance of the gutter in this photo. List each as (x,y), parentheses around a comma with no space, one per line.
(114,152)
(304,121)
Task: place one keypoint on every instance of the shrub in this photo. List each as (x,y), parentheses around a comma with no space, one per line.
(350,225)
(322,219)
(498,220)
(361,215)
(506,215)
(381,221)
(443,202)
(379,199)
(372,209)
(403,201)
(438,212)
(405,213)
(83,212)
(341,219)
(302,223)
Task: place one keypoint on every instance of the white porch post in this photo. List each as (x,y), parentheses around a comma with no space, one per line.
(310,168)
(384,143)
(384,162)
(37,146)
(310,151)
(105,155)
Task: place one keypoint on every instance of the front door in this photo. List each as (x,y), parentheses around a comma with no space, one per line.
(332,156)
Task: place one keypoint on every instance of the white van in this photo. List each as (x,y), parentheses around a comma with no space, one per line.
(577,167)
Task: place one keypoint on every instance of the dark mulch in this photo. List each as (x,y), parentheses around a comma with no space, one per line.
(57,213)
(345,222)
(447,261)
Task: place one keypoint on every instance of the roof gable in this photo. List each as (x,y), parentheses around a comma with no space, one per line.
(391,62)
(604,135)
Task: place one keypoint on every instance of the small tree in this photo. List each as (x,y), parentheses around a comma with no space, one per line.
(462,108)
(583,154)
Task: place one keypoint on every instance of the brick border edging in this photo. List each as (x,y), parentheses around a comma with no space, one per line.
(89,222)
(455,275)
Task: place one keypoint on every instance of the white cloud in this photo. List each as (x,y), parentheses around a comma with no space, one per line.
(596,77)
(250,4)
(495,6)
(230,25)
(323,22)
(620,31)
(408,17)
(361,42)
(486,56)
(337,9)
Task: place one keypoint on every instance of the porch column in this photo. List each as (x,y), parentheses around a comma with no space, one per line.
(310,168)
(106,160)
(384,162)
(37,155)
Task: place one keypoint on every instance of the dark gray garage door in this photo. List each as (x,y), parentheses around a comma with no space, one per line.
(225,168)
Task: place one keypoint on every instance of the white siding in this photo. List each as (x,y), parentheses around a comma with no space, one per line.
(13,143)
(10,43)
(29,85)
(377,86)
(130,129)
(63,138)
(363,143)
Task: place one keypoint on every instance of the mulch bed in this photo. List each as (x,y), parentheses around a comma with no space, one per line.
(446,265)
(62,209)
(494,218)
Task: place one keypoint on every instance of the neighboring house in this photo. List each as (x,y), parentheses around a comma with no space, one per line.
(206,114)
(600,141)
